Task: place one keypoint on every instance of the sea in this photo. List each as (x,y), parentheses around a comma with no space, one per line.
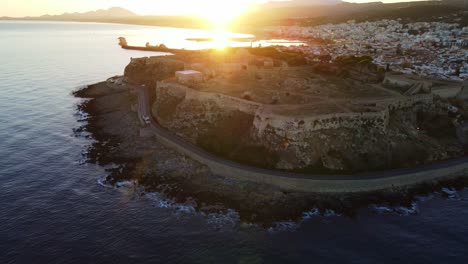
(53,208)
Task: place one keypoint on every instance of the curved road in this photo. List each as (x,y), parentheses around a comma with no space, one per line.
(303,182)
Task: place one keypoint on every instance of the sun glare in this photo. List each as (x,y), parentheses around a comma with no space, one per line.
(220,13)
(220,38)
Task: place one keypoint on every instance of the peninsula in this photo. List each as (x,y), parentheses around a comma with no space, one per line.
(264,131)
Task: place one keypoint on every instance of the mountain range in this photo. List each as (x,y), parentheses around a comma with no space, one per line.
(274,13)
(275,4)
(113,12)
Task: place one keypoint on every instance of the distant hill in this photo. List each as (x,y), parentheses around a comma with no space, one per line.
(445,10)
(460,3)
(100,15)
(304,12)
(276,4)
(413,13)
(114,12)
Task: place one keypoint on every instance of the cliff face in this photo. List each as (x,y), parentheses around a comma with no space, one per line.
(228,126)
(402,144)
(216,123)
(149,70)
(396,134)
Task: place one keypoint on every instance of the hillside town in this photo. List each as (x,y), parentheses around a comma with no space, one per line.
(428,49)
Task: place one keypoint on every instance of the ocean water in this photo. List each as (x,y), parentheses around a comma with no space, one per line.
(53,210)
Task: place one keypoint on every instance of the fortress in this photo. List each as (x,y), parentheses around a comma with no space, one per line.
(297,120)
(248,105)
(294,120)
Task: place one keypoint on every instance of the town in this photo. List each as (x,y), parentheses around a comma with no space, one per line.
(430,49)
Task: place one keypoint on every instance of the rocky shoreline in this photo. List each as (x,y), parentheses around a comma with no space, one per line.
(113,124)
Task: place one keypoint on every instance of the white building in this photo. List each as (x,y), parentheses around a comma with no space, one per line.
(189,77)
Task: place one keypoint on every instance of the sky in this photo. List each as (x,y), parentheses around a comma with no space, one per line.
(21,8)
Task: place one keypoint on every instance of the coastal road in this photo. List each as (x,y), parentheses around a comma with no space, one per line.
(327,183)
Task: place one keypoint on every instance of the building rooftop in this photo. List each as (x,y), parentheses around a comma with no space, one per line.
(188,72)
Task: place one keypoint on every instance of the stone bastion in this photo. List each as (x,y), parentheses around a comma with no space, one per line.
(295,122)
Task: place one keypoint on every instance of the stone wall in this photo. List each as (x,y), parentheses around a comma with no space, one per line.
(405,101)
(195,115)
(299,140)
(294,127)
(406,81)
(299,127)
(224,101)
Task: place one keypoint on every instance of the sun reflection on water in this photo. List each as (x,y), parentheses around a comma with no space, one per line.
(179,38)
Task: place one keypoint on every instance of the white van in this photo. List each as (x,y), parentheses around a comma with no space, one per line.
(147,120)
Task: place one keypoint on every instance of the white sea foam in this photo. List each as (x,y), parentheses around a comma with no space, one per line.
(397,210)
(184,209)
(310,214)
(103,183)
(82,116)
(165,204)
(229,219)
(380,209)
(125,184)
(330,213)
(283,226)
(315,212)
(162,201)
(451,193)
(405,211)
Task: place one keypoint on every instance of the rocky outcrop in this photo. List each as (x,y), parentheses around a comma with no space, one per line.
(399,137)
(408,141)
(149,70)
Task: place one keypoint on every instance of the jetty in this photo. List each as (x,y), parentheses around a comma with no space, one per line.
(158,48)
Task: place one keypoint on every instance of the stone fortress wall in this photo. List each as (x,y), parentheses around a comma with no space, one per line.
(296,127)
(223,101)
(406,101)
(310,183)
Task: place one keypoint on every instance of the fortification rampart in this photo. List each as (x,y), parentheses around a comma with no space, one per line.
(296,128)
(405,101)
(223,101)
(312,183)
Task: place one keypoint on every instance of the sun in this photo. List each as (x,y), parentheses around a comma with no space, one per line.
(219,13)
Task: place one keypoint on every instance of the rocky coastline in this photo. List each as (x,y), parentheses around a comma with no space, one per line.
(114,127)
